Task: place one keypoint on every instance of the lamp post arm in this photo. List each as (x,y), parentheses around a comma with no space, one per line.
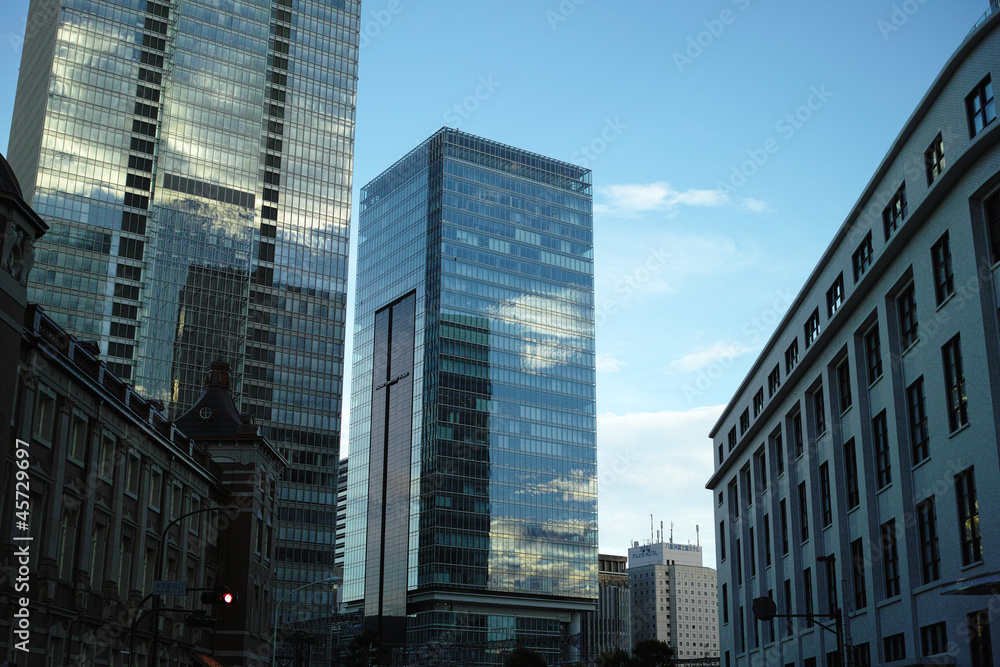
(277,606)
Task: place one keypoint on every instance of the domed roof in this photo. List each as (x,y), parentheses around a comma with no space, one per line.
(8,181)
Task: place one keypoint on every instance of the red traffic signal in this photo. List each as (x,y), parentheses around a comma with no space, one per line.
(218,595)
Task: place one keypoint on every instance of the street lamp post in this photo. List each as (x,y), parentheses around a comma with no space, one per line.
(161,564)
(277,606)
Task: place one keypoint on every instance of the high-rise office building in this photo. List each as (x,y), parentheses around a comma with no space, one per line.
(472,490)
(193,160)
(674,599)
(856,465)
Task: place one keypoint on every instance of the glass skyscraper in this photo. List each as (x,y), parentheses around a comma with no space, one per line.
(472,489)
(193,159)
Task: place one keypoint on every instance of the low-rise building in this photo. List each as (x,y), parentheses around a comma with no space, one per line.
(609,628)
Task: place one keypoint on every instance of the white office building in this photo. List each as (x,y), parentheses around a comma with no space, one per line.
(674,598)
(858,464)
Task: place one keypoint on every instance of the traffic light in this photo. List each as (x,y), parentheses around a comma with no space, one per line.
(200,619)
(218,595)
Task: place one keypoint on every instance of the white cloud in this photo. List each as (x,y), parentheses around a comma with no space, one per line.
(655,463)
(706,356)
(607,363)
(636,198)
(629,265)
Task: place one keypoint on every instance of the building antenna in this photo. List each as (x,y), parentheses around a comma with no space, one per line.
(697,536)
(662,534)
(671,532)
(650,528)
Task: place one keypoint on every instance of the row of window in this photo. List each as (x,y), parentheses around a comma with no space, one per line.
(981,111)
(933,641)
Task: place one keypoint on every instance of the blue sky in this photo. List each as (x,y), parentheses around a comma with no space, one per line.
(728,141)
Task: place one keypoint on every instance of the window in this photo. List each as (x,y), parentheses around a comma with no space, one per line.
(934,159)
(747,488)
(155,489)
(934,639)
(797,434)
(862,257)
(954,383)
(873,355)
(725,603)
(744,421)
(78,437)
(819,411)
(894,213)
(791,356)
(779,451)
(784,527)
(835,296)
(133,469)
(890,559)
(767,540)
(788,607)
(906,305)
(844,385)
(980,107)
(773,381)
(758,402)
(732,438)
(883,461)
(722,454)
(919,438)
(45,417)
(992,210)
(825,500)
(761,460)
(803,511)
(980,643)
(862,655)
(753,554)
(851,475)
(968,516)
(722,540)
(944,279)
(807,586)
(894,647)
(858,564)
(812,328)
(831,583)
(739,563)
(930,556)
(734,499)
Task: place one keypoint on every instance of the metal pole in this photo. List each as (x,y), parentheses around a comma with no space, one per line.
(162,564)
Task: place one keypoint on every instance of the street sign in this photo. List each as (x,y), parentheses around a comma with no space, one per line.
(170,588)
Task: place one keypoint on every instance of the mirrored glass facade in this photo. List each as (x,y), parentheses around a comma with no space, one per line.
(193,159)
(487,511)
